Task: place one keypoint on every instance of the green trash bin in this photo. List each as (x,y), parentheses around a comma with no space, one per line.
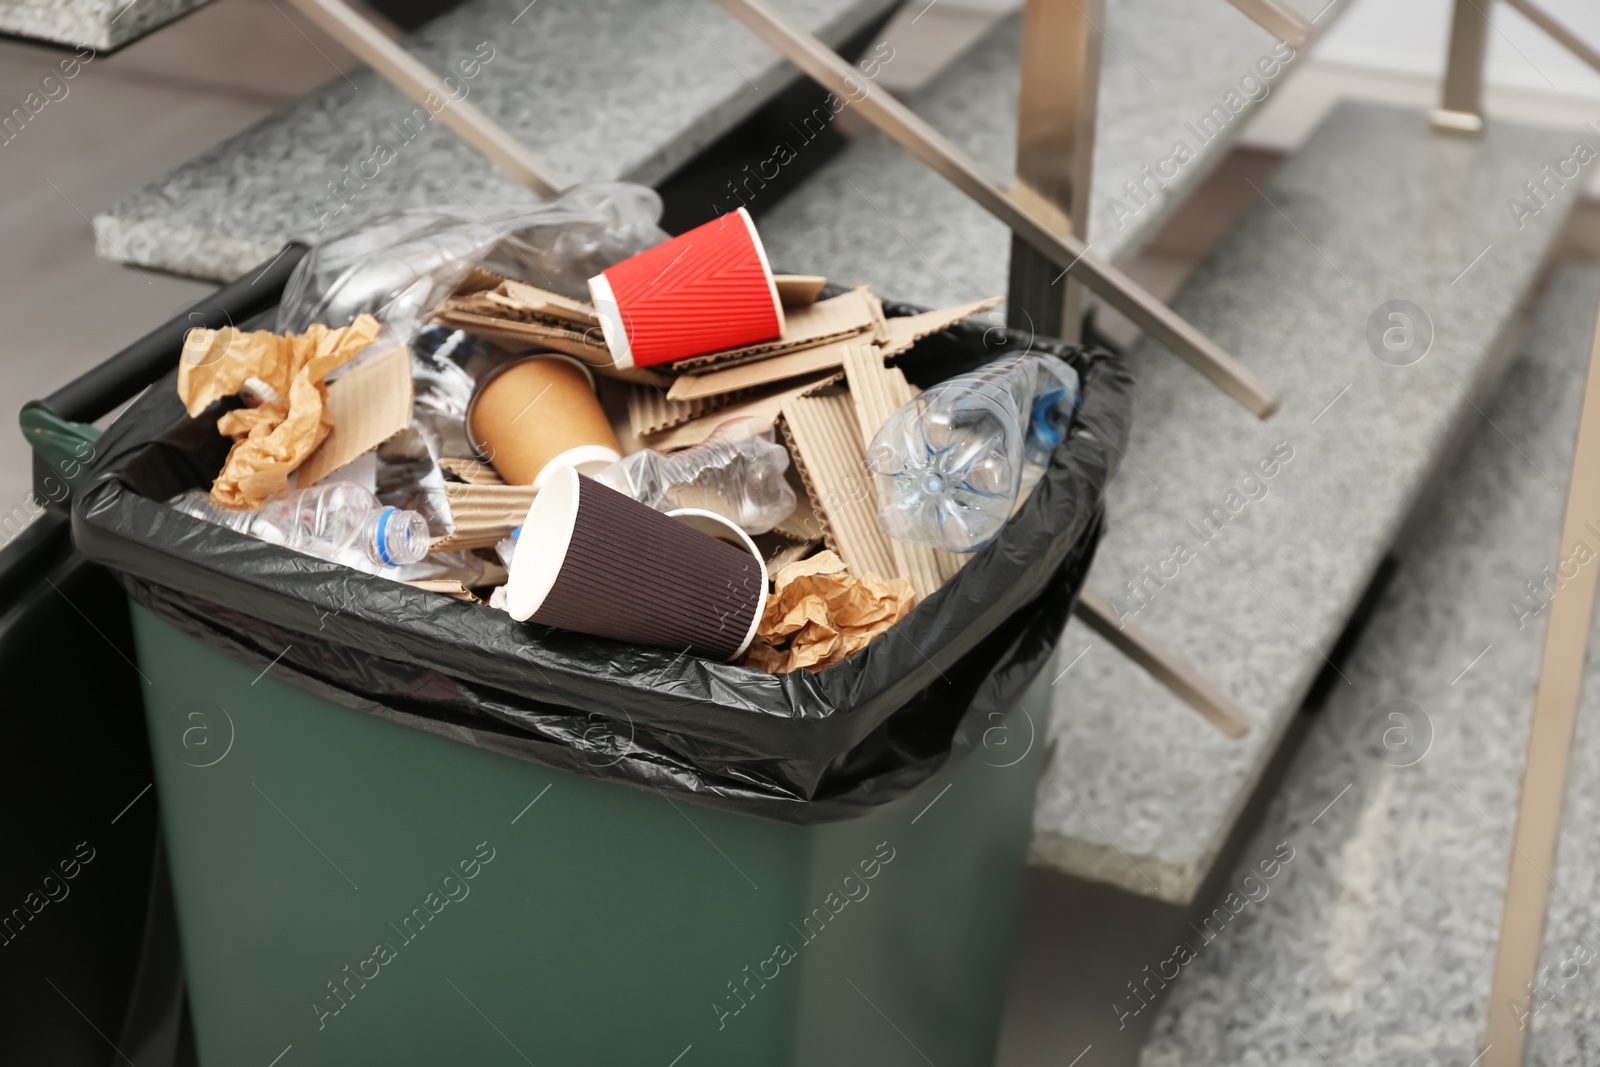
(354,891)
(389,842)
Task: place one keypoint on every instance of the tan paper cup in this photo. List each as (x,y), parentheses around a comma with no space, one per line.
(595,561)
(535,415)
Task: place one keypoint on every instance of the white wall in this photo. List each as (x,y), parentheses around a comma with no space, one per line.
(1411,37)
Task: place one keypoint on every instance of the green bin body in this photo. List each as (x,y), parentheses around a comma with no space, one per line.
(608,924)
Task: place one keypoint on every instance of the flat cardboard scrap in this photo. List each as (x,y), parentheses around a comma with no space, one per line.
(819,613)
(272,440)
(791,551)
(744,377)
(797,290)
(369,403)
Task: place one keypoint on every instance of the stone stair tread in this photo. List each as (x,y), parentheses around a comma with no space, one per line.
(1375,207)
(874,214)
(1385,924)
(100,24)
(609,89)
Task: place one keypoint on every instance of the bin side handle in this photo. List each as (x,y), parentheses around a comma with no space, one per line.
(64,446)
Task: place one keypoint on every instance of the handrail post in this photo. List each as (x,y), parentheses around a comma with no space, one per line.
(1460,107)
(1056,110)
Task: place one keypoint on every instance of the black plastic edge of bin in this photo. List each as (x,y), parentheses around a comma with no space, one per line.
(801,747)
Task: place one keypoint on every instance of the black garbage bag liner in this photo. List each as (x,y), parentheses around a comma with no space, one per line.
(802,747)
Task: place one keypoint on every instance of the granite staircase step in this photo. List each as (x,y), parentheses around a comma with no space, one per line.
(1246,546)
(1374,944)
(675,77)
(103,25)
(603,89)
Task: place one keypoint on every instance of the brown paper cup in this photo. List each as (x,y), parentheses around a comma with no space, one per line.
(535,415)
(592,560)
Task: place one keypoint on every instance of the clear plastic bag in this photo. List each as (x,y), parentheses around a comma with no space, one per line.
(399,266)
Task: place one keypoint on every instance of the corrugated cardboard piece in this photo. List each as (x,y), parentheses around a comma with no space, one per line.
(650,411)
(369,403)
(826,320)
(450,587)
(878,391)
(483,508)
(765,405)
(826,445)
(890,334)
(513,311)
(471,471)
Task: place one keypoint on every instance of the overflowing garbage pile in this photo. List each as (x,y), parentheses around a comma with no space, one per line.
(564,414)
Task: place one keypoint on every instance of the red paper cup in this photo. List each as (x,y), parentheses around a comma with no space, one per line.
(592,560)
(703,291)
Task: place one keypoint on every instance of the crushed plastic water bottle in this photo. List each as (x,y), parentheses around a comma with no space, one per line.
(328,521)
(737,472)
(952,463)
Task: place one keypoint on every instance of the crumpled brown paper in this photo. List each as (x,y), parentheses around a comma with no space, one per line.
(272,440)
(819,613)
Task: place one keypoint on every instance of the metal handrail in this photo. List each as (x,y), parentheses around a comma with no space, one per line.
(1068,252)
(375,48)
(1282,22)
(1461,98)
(1526,903)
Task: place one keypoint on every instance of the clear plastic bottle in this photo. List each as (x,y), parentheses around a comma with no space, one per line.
(324,520)
(952,464)
(737,472)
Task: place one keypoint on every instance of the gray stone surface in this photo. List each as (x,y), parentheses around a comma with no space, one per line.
(667,85)
(602,89)
(1566,1028)
(874,214)
(1375,944)
(1375,207)
(100,24)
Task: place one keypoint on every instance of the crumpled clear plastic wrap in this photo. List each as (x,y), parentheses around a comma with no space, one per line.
(737,472)
(399,266)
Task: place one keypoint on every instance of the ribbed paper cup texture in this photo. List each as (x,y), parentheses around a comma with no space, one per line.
(703,291)
(595,561)
(537,413)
